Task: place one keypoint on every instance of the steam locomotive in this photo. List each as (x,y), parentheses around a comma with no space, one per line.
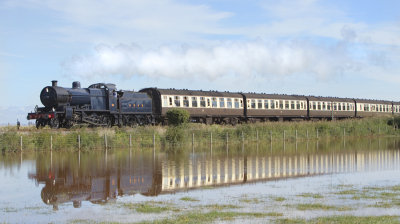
(102,104)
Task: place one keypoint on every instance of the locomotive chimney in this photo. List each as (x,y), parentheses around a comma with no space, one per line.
(54,83)
(76,85)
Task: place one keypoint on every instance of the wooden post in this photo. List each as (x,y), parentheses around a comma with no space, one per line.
(227,138)
(284,135)
(192,138)
(307,134)
(51,142)
(317,134)
(79,142)
(105,141)
(270,134)
(154,139)
(242,137)
(211,138)
(257,135)
(296,134)
(20,142)
(130,140)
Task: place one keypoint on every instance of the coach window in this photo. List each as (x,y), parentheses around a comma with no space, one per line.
(319,105)
(165,101)
(328,106)
(177,101)
(194,101)
(314,105)
(229,102)
(266,104)
(222,102)
(366,107)
(259,106)
(292,105)
(302,105)
(297,105)
(202,102)
(287,104)
(208,102)
(186,101)
(170,101)
(241,103)
(236,103)
(214,102)
(272,104)
(334,106)
(253,104)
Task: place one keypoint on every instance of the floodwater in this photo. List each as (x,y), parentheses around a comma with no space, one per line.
(99,186)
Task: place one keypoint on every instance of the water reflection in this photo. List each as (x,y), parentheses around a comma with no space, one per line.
(100,176)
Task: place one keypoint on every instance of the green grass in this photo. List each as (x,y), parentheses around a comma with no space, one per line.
(93,138)
(189,199)
(149,207)
(208,217)
(344,220)
(317,206)
(220,206)
(310,195)
(279,199)
(251,200)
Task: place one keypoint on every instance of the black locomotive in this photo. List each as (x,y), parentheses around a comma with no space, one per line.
(98,105)
(103,105)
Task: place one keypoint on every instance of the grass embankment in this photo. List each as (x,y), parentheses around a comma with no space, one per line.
(98,138)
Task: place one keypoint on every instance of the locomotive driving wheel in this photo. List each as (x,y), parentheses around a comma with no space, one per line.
(55,123)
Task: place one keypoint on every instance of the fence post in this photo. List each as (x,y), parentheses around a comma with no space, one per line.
(307,134)
(105,141)
(20,142)
(270,135)
(192,138)
(242,137)
(51,142)
(317,134)
(284,135)
(227,138)
(211,138)
(154,139)
(130,140)
(344,132)
(257,135)
(296,134)
(79,142)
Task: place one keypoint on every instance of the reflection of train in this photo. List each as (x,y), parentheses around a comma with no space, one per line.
(102,181)
(102,105)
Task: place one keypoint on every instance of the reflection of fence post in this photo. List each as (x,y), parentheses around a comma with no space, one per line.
(51,142)
(20,142)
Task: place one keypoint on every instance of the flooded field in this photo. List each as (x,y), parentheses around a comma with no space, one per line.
(314,181)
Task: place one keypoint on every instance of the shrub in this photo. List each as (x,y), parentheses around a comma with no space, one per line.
(177,116)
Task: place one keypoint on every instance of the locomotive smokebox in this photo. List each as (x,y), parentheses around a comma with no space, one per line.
(54,83)
(76,85)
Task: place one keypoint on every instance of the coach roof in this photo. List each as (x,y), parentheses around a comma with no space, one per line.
(185,92)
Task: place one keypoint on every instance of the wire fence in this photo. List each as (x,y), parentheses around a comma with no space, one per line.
(92,140)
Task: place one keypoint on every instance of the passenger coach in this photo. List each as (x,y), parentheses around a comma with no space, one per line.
(204,106)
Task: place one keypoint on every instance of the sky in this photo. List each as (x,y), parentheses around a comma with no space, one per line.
(336,48)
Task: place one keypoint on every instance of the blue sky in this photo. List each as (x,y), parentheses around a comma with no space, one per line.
(324,48)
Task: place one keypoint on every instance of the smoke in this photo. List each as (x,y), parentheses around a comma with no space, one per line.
(230,58)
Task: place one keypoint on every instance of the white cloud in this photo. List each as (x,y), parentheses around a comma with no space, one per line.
(241,59)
